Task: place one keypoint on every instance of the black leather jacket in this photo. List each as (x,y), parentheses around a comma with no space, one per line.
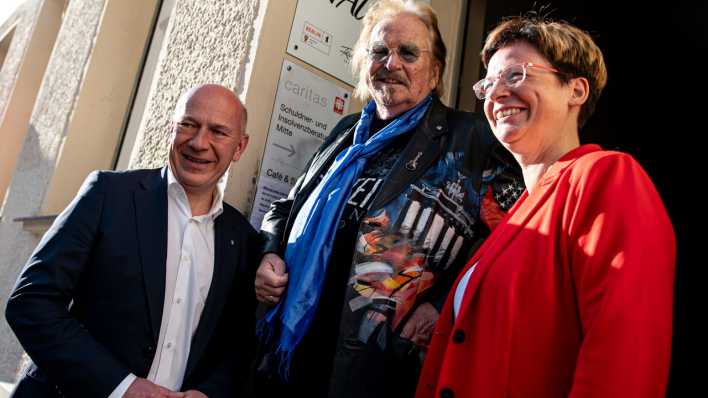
(442,130)
(424,223)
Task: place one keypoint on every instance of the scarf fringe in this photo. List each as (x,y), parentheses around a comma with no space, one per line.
(265,330)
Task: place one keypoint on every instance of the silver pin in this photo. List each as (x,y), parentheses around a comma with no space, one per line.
(438,127)
(413,163)
(232,242)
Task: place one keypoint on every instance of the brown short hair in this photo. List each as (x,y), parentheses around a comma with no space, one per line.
(388,8)
(569,49)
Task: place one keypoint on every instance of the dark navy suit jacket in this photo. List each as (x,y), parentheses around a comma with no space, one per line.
(87,307)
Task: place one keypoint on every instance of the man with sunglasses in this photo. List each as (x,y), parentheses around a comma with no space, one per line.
(361,254)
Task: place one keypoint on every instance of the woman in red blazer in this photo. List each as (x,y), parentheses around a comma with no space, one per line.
(572,293)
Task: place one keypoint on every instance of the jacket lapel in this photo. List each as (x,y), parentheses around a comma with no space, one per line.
(151,220)
(424,147)
(226,262)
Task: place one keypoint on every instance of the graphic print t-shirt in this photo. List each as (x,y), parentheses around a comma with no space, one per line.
(405,249)
(312,362)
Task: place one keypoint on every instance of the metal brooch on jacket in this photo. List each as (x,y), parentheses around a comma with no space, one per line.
(413,163)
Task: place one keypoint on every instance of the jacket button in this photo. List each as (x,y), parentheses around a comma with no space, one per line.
(447,393)
(458,337)
(149,351)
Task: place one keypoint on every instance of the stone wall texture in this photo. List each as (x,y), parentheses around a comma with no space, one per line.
(207,42)
(24,20)
(41,149)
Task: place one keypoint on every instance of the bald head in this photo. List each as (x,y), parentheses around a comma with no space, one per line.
(209,132)
(217,93)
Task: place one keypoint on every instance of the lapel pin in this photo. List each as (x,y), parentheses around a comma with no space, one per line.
(413,163)
(232,242)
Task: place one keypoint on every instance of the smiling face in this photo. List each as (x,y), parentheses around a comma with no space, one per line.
(206,137)
(395,85)
(537,117)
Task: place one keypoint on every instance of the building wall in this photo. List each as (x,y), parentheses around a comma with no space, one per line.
(22,23)
(41,148)
(33,29)
(99,113)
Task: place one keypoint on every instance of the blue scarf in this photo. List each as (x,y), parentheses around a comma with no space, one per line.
(310,241)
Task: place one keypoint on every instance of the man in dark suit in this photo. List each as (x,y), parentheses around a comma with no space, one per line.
(143,286)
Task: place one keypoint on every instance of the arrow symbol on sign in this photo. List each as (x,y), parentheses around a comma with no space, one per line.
(291,149)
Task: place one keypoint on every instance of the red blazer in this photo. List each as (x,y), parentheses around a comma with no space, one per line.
(572,295)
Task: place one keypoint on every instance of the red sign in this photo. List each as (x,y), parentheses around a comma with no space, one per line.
(339,105)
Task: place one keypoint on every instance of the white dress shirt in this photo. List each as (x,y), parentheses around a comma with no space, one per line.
(189,269)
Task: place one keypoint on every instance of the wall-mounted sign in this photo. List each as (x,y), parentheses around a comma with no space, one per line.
(324,32)
(306,108)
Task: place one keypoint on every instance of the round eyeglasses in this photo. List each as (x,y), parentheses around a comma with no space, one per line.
(512,76)
(407,53)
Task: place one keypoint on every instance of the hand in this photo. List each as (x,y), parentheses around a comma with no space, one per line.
(420,325)
(271,279)
(143,388)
